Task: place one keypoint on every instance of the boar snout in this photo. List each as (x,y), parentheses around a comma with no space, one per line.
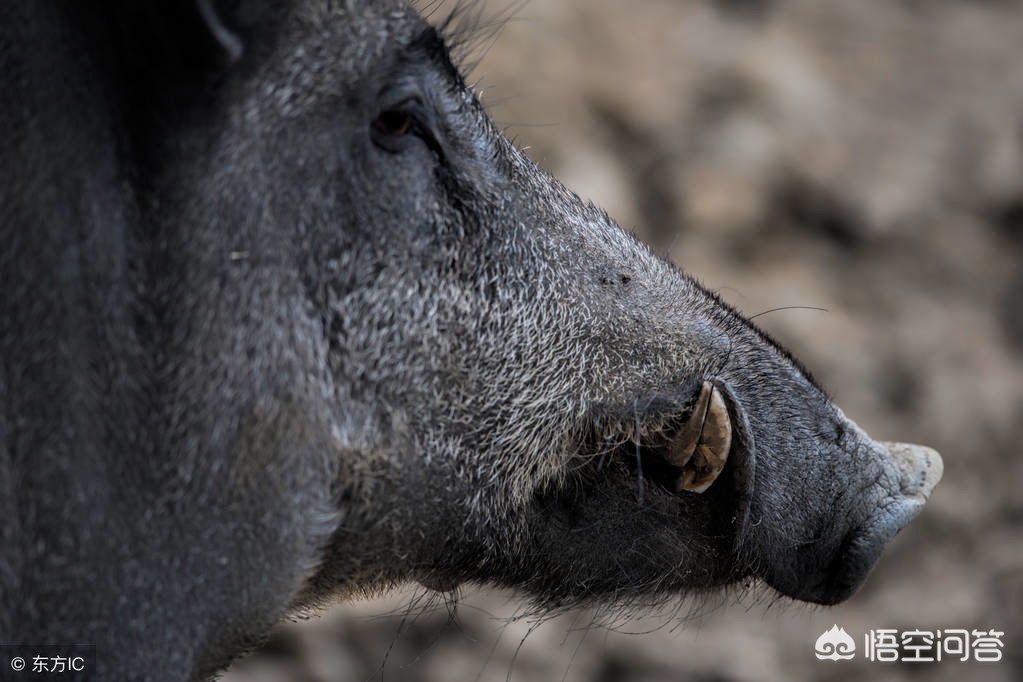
(910,473)
(889,489)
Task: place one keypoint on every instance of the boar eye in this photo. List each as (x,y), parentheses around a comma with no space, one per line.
(395,128)
(397,124)
(394,123)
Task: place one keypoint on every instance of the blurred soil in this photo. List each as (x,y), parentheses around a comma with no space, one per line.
(865,158)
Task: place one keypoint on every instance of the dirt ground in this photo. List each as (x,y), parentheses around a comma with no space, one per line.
(864,158)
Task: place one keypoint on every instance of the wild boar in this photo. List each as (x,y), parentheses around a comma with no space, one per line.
(286,316)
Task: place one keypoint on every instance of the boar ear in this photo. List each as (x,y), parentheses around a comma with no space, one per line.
(231,25)
(217,22)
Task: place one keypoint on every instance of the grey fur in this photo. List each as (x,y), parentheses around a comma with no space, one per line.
(256,355)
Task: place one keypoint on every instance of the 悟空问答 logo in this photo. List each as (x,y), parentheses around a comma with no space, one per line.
(835,644)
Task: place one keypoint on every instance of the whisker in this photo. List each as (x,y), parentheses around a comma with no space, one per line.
(788,307)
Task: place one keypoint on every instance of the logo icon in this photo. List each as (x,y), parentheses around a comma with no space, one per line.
(835,644)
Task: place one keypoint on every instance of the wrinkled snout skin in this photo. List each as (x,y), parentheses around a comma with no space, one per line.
(291,318)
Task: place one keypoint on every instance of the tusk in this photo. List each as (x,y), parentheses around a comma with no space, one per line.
(684,444)
(715,441)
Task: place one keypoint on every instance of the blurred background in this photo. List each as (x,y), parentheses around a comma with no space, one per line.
(862,157)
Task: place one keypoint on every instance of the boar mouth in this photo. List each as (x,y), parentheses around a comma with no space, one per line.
(911,473)
(680,441)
